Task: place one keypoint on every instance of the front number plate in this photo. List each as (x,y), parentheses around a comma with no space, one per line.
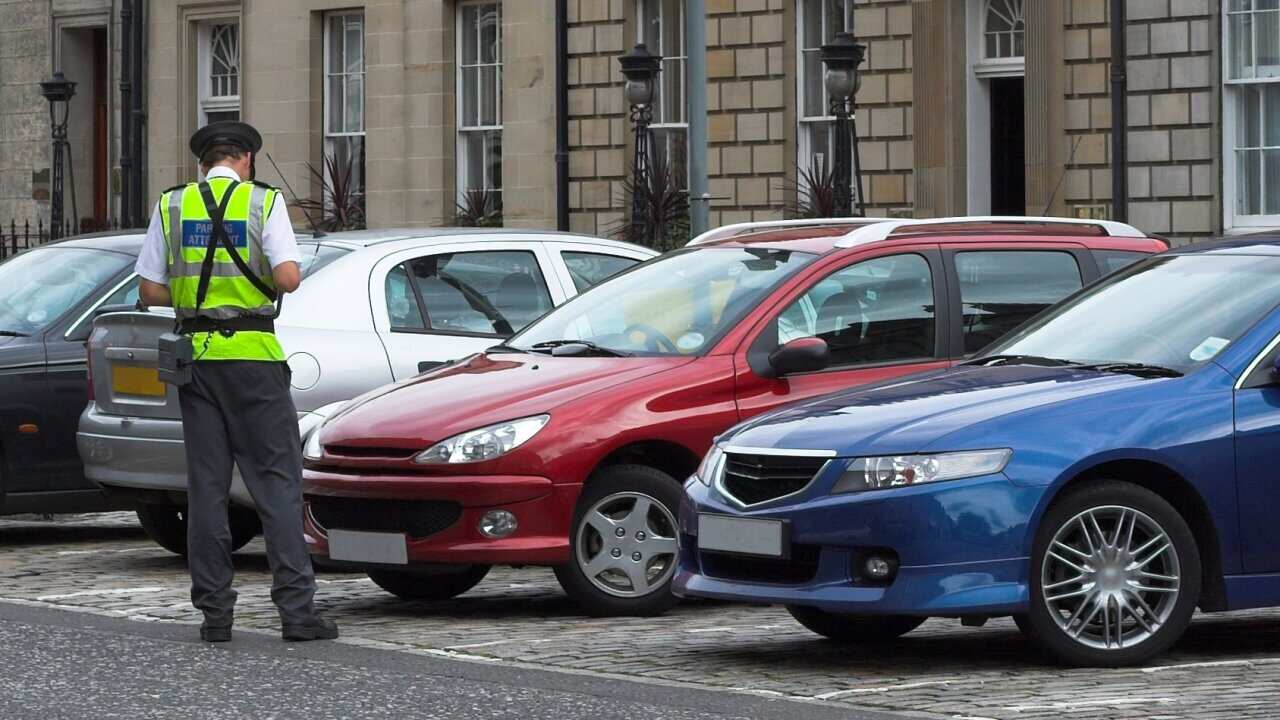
(744,536)
(371,547)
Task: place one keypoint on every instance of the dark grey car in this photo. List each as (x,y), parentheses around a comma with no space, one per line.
(48,296)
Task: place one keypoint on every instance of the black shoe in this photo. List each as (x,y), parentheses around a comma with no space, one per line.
(317,627)
(215,633)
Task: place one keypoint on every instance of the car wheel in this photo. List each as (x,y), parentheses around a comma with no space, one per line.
(1115,576)
(623,543)
(854,629)
(449,582)
(167,526)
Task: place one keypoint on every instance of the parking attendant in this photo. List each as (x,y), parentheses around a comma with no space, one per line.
(1098,475)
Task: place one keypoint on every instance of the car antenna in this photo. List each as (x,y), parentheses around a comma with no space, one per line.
(1063,176)
(315,231)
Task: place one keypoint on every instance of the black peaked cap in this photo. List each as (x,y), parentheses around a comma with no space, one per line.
(225,132)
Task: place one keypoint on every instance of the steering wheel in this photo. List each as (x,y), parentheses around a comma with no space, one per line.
(654,338)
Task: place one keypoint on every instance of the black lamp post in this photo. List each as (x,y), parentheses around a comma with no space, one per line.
(640,67)
(58,90)
(842,58)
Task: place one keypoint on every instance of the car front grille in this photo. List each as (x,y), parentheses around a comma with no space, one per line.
(800,568)
(415,518)
(754,479)
(360,451)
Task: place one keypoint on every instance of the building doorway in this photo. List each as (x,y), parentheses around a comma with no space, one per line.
(84,57)
(1008,146)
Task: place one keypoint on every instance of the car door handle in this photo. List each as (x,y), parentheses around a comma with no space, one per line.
(141,355)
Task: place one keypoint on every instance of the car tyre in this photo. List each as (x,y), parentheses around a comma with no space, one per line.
(167,526)
(449,582)
(854,629)
(1115,576)
(623,543)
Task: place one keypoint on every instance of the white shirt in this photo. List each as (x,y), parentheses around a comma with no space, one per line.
(278,241)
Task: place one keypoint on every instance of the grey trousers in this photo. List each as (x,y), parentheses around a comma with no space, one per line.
(241,412)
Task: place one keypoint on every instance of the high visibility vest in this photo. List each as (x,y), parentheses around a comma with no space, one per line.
(187,228)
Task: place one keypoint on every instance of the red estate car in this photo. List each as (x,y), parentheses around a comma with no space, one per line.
(567,445)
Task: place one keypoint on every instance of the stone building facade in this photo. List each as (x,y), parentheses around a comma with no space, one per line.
(965,106)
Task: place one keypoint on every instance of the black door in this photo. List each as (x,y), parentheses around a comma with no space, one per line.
(1008,149)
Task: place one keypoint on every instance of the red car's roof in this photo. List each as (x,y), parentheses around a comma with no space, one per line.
(825,239)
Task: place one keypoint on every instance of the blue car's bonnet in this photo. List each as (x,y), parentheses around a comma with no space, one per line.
(907,415)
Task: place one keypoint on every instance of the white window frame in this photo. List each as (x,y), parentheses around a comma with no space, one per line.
(1231,100)
(806,123)
(327,96)
(663,123)
(464,130)
(207,102)
(978,104)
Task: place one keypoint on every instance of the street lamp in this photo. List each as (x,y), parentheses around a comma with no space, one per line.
(640,68)
(58,90)
(842,58)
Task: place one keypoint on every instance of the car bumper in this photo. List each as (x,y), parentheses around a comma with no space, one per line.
(543,510)
(961,548)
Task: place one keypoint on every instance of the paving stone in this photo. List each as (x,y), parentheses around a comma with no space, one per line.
(1227,666)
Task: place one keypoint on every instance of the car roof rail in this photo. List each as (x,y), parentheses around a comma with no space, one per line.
(882,230)
(728,231)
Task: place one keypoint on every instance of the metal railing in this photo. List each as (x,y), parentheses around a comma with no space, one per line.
(15,237)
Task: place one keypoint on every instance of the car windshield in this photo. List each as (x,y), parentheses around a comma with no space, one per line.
(1176,312)
(317,255)
(38,286)
(677,304)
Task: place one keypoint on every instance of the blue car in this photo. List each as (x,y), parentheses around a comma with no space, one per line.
(1098,474)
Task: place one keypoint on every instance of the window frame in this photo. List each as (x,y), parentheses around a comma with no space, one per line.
(206,102)
(806,124)
(663,126)
(765,337)
(328,135)
(464,131)
(1232,99)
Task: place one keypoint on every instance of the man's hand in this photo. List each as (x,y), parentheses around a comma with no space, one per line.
(153,294)
(287,276)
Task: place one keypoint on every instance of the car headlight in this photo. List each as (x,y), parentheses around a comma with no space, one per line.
(312,450)
(878,473)
(710,464)
(309,425)
(484,443)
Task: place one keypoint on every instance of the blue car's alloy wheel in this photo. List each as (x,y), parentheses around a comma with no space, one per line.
(1115,577)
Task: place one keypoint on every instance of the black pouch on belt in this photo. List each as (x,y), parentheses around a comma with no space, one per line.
(176,353)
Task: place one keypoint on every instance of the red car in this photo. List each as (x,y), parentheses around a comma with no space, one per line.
(567,445)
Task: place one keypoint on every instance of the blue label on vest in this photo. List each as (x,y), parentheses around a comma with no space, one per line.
(195,233)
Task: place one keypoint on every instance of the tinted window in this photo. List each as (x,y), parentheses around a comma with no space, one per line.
(1003,289)
(1110,261)
(39,286)
(402,303)
(487,293)
(678,304)
(589,269)
(878,310)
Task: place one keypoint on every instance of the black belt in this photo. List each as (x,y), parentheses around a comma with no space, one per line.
(245,323)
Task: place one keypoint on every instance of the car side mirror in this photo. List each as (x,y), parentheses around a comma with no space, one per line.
(802,355)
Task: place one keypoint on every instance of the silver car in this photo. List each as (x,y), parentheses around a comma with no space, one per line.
(375,307)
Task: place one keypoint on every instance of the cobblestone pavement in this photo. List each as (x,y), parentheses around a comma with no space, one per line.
(1228,666)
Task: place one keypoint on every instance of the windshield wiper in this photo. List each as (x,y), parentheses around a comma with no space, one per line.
(993,360)
(503,347)
(1132,368)
(13,333)
(571,347)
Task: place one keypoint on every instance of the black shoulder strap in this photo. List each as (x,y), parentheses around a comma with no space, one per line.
(219,234)
(175,188)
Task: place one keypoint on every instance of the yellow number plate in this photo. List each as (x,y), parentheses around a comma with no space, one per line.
(126,380)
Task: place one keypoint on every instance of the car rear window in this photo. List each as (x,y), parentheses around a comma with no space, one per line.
(317,255)
(1001,289)
(1110,261)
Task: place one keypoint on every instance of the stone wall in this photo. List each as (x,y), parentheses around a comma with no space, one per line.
(24,114)
(886,115)
(599,126)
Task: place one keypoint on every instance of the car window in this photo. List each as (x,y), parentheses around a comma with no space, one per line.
(402,302)
(126,294)
(485,293)
(316,255)
(1002,289)
(879,310)
(1110,261)
(39,286)
(589,269)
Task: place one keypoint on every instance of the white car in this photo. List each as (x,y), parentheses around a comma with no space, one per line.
(375,307)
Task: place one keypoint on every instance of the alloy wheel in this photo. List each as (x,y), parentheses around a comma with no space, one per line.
(1111,577)
(626,544)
